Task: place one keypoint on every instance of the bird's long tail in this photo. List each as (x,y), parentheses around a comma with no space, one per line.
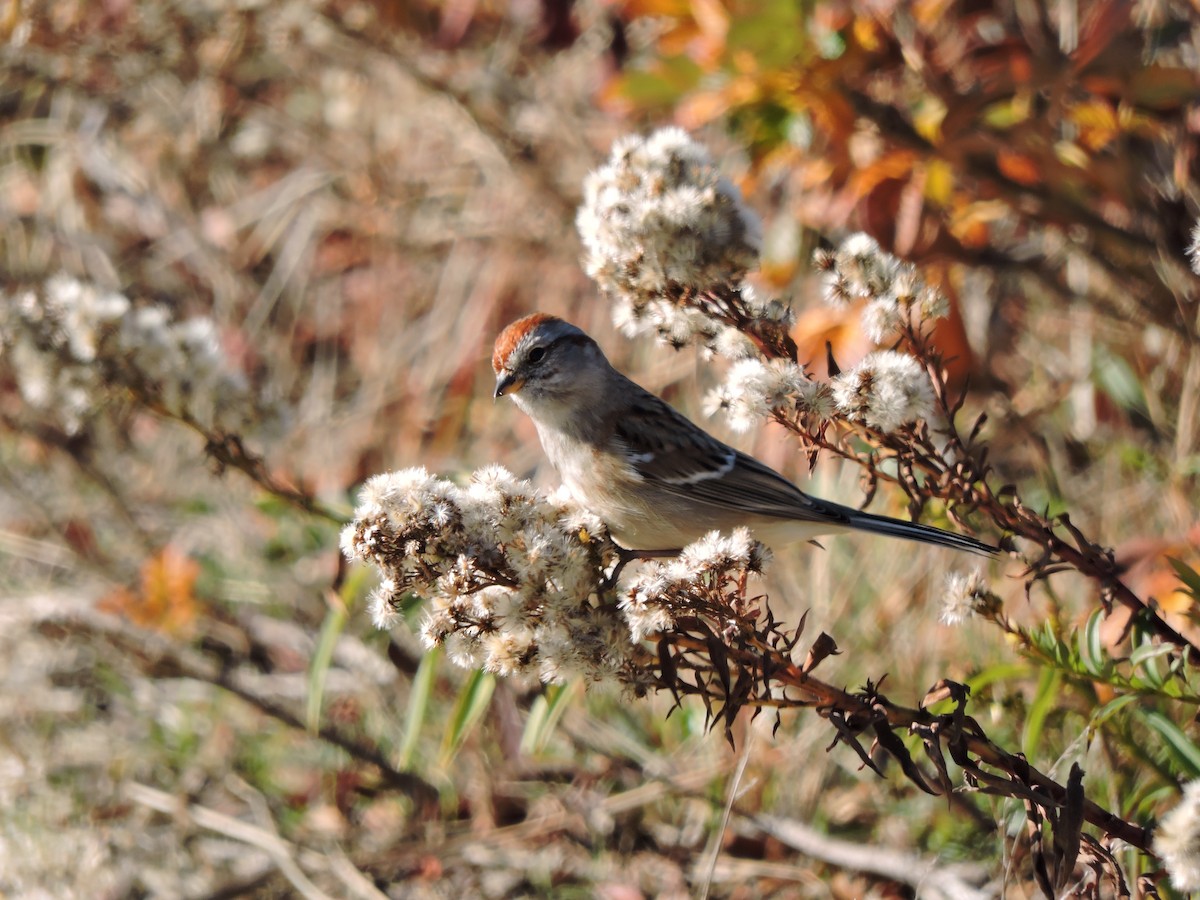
(914,531)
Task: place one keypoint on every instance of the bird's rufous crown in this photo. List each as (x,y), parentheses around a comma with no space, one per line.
(514,334)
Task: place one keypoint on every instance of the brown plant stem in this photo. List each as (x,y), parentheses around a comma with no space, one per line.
(959,734)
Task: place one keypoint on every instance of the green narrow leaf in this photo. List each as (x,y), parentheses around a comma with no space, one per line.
(331,630)
(544,715)
(1118,379)
(1043,702)
(1150,650)
(1145,665)
(472,701)
(1007,671)
(1189,576)
(1110,709)
(1091,649)
(418,703)
(1181,747)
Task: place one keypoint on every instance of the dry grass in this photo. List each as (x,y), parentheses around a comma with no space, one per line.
(360,212)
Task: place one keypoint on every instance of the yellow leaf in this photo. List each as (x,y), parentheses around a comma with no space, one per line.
(927,118)
(939,182)
(1071,154)
(1097,122)
(866,33)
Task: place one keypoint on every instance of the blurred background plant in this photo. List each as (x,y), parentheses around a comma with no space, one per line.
(256,252)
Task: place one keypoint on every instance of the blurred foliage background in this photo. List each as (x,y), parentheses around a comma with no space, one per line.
(361,195)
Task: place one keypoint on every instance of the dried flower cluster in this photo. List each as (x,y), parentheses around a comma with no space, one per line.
(1177,840)
(887,391)
(664,590)
(647,254)
(72,349)
(896,294)
(754,389)
(511,577)
(661,226)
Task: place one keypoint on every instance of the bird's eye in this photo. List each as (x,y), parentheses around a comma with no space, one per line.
(536,354)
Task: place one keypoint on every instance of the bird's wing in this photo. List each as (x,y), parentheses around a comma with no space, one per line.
(668,449)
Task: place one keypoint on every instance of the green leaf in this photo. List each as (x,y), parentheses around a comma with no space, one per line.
(544,715)
(331,630)
(1006,671)
(1181,747)
(472,702)
(1091,649)
(663,85)
(1006,114)
(1149,650)
(1043,701)
(1110,709)
(1189,576)
(418,703)
(775,35)
(1144,660)
(1117,379)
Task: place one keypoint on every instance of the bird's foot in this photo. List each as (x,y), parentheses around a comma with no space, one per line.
(625,557)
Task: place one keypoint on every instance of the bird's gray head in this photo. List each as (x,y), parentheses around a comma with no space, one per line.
(542,359)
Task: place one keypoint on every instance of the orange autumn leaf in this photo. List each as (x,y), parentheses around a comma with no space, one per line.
(896,165)
(165,600)
(867,34)
(971,224)
(1019,167)
(1097,122)
(839,328)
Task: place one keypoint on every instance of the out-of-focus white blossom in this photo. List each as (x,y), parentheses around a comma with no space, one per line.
(1177,841)
(660,227)
(73,348)
(886,391)
(894,291)
(966,594)
(754,389)
(1193,250)
(732,344)
(867,270)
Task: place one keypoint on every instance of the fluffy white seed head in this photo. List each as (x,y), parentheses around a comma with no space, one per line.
(509,576)
(74,349)
(1177,841)
(754,389)
(965,595)
(895,295)
(704,569)
(1193,250)
(515,590)
(887,390)
(660,225)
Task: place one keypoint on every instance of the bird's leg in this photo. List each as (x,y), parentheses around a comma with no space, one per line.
(626,556)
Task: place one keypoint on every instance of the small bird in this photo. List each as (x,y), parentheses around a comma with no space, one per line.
(656,479)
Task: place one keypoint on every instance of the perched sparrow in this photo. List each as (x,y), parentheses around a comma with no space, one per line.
(657,479)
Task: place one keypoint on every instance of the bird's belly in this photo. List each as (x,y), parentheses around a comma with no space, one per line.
(605,486)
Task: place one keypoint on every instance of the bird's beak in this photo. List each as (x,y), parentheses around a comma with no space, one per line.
(507,383)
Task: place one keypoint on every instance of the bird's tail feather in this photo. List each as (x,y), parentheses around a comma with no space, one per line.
(914,531)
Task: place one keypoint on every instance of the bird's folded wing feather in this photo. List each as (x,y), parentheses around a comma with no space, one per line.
(664,447)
